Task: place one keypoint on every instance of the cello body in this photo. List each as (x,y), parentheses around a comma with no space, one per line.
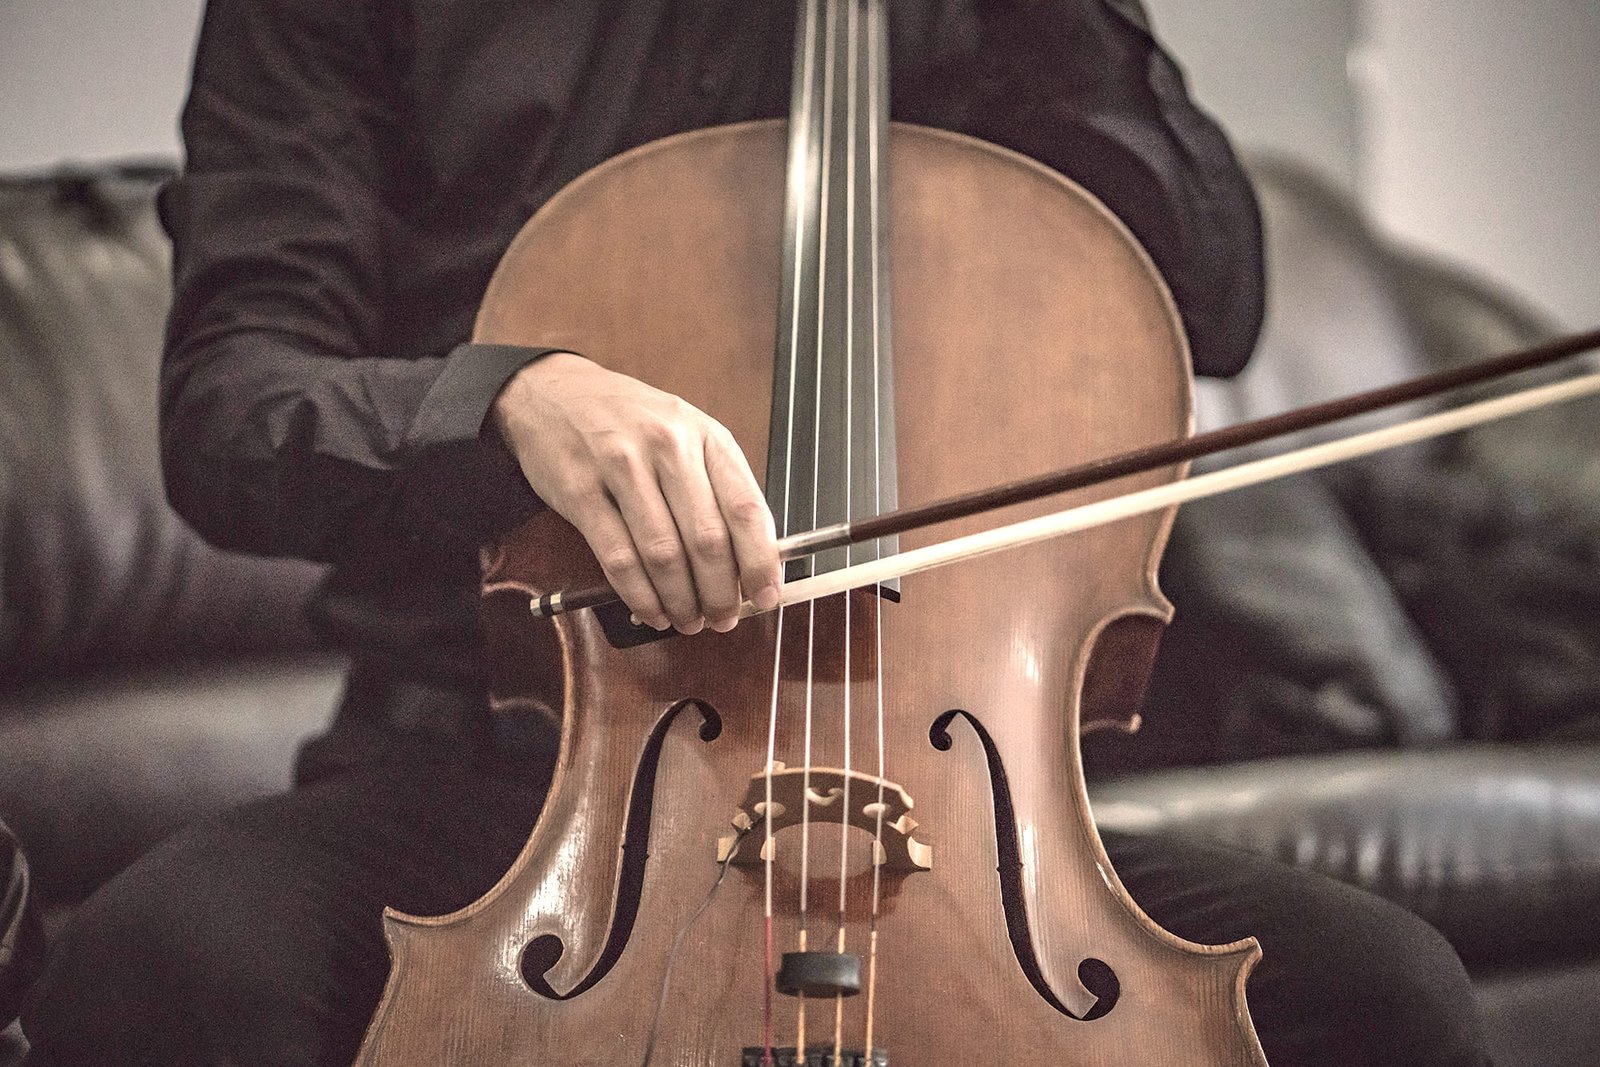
(1031,333)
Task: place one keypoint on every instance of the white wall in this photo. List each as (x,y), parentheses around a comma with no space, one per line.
(1273,72)
(92,79)
(1482,139)
(1470,128)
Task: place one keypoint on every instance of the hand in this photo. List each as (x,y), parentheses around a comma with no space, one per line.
(660,490)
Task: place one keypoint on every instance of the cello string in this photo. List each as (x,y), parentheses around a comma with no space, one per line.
(799,170)
(805,822)
(852,117)
(770,848)
(875,36)
(830,59)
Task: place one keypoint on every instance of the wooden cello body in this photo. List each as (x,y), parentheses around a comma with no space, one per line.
(1031,332)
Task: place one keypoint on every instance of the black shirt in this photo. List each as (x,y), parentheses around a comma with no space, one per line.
(355,169)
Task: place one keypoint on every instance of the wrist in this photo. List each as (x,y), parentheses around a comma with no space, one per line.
(518,396)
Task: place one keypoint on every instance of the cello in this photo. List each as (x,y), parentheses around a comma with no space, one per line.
(853,831)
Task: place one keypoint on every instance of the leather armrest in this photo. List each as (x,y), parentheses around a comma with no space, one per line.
(94,772)
(1497,846)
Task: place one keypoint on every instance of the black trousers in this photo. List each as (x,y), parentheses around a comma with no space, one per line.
(254,938)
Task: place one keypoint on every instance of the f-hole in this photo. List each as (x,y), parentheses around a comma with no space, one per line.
(1096,975)
(540,954)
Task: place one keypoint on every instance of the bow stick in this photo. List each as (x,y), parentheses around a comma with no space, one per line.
(1151,458)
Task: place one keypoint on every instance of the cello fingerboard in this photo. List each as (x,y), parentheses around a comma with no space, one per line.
(831,454)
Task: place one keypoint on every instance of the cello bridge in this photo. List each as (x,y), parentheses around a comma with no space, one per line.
(819,795)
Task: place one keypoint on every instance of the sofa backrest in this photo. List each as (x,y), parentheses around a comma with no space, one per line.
(1429,593)
(95,568)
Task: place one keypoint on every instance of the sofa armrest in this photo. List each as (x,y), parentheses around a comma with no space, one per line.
(97,771)
(1497,846)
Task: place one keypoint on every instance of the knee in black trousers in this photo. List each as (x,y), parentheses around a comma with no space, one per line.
(255,939)
(1345,977)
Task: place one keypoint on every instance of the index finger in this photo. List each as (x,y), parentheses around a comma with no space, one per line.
(750,526)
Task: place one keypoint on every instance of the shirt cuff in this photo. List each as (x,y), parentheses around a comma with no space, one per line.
(455,470)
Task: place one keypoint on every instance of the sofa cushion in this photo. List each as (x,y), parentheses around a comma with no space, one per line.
(1503,578)
(1324,655)
(1541,1016)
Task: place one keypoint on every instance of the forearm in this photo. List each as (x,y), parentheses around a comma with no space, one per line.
(269,447)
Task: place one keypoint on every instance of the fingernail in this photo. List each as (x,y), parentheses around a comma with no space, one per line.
(766,597)
(693,628)
(661,623)
(722,626)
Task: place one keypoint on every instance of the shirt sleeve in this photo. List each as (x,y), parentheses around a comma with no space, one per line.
(1084,87)
(284,428)
(1210,246)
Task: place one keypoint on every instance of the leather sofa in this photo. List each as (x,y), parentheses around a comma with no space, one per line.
(1320,697)
(146,679)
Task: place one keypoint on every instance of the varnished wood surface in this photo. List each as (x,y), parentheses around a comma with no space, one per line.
(1010,336)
